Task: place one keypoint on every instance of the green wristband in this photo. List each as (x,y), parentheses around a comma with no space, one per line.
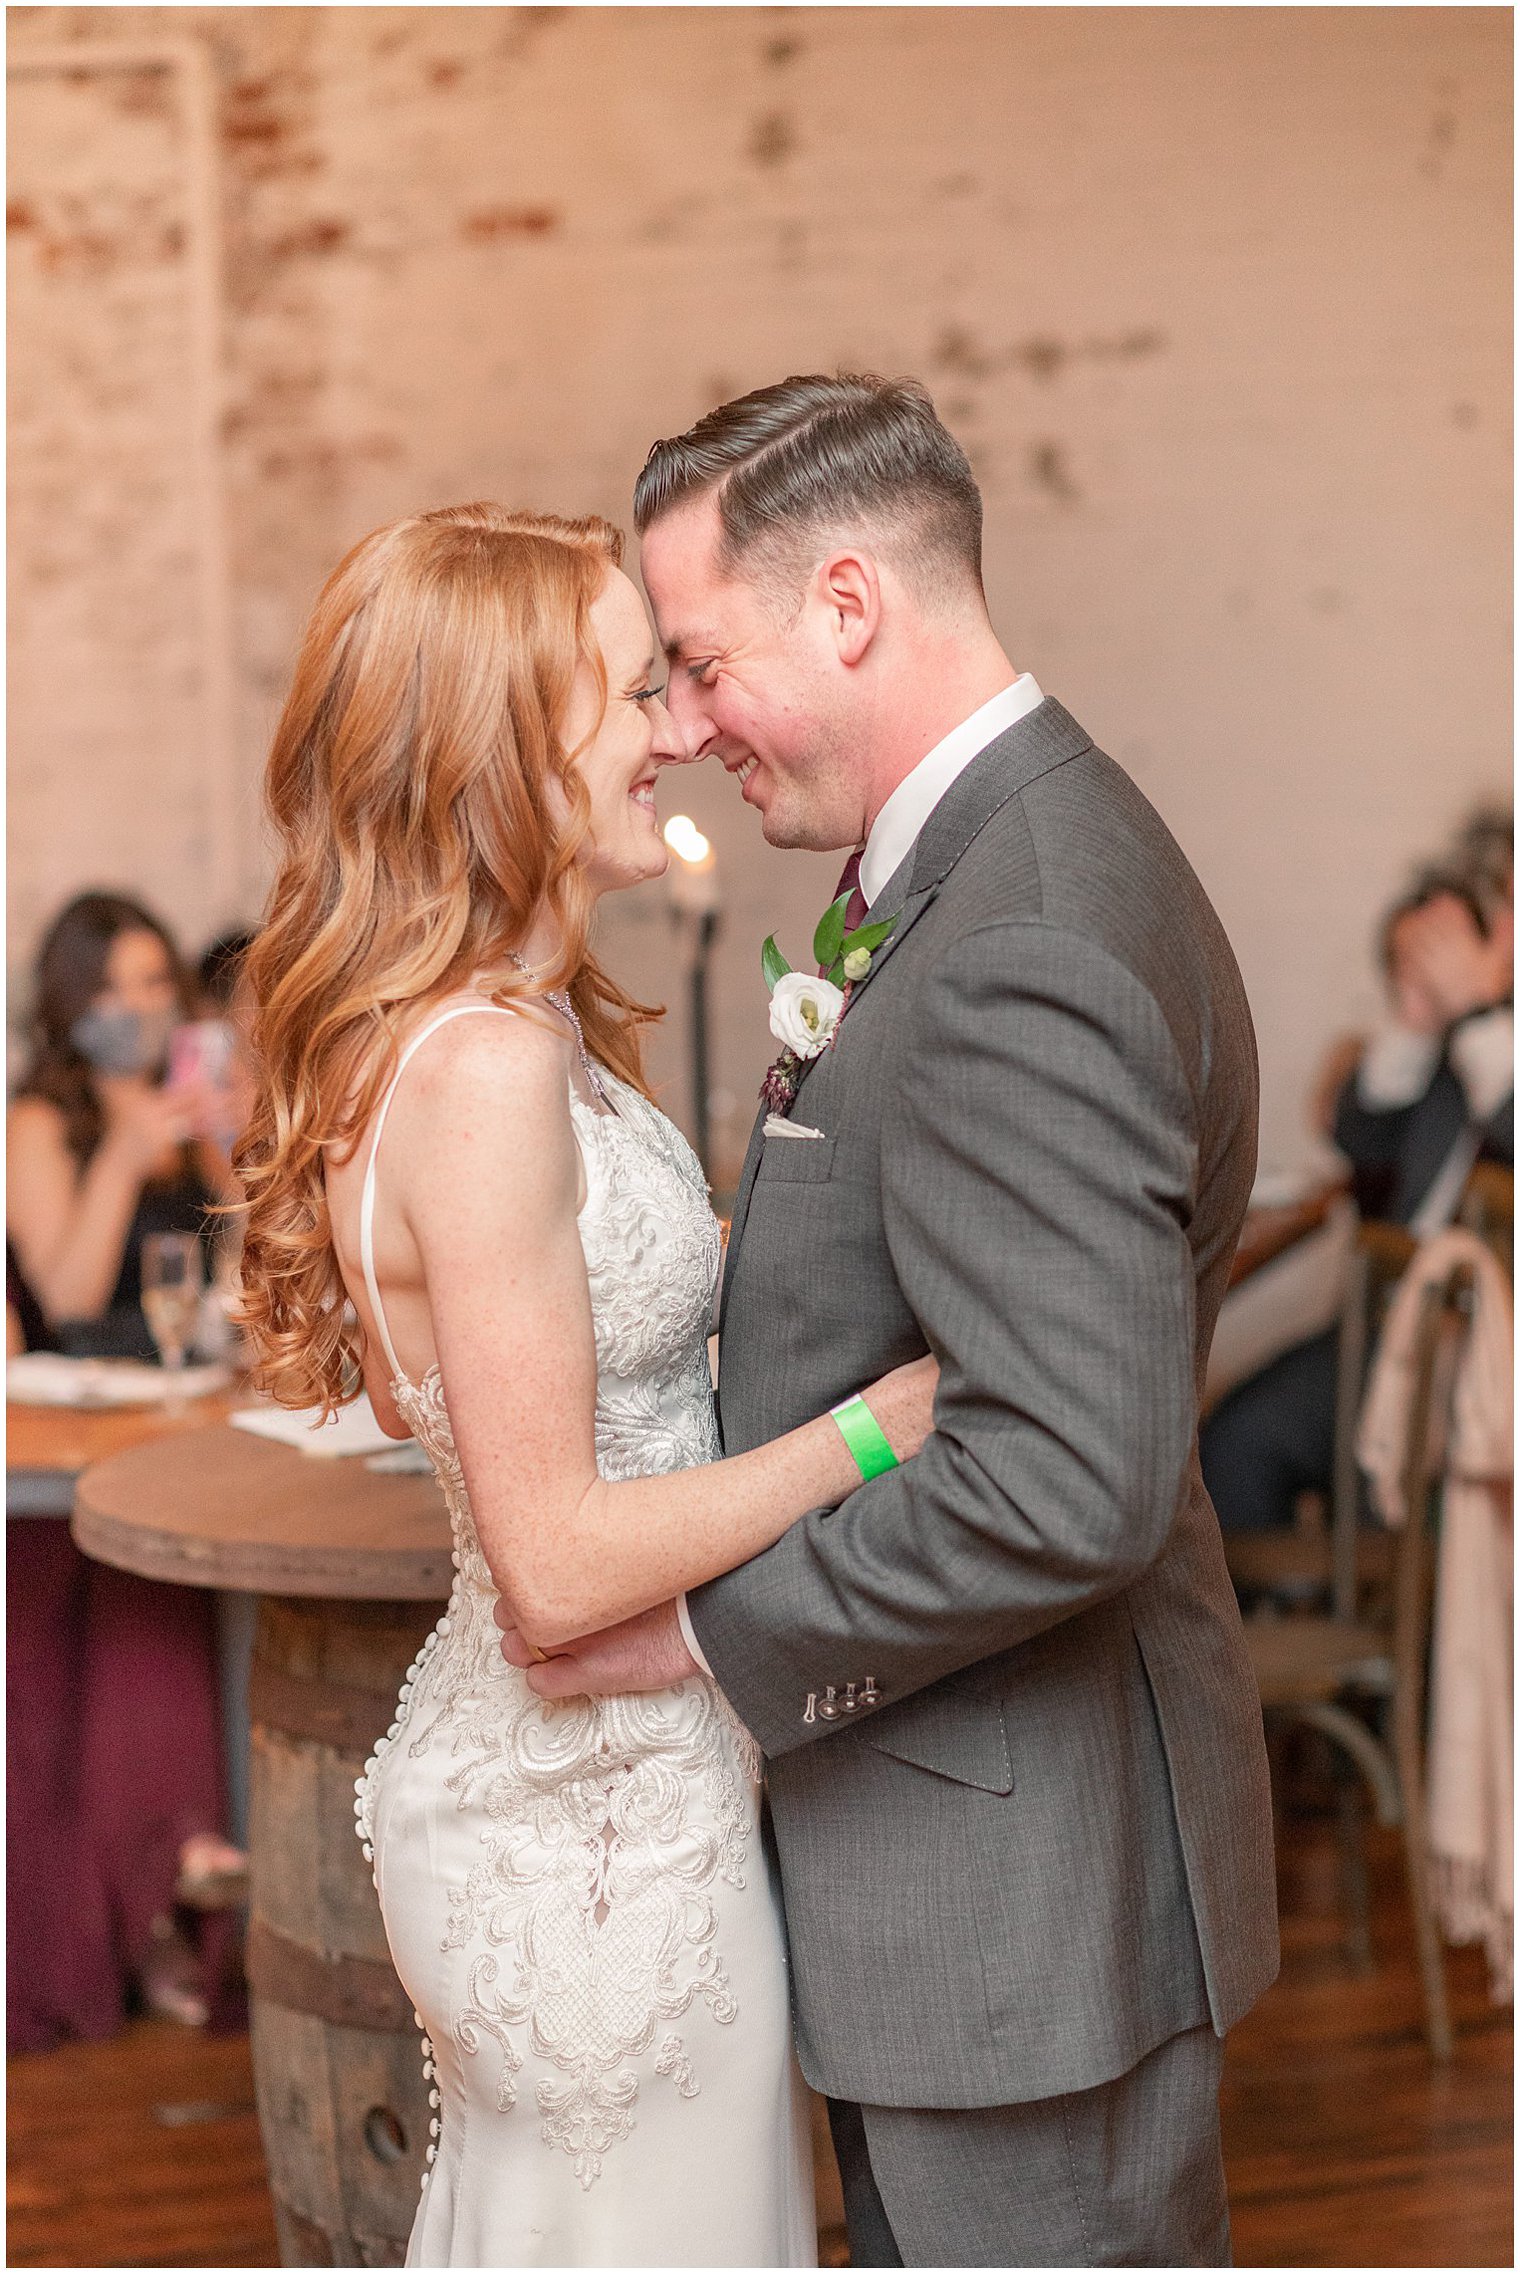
(864,1435)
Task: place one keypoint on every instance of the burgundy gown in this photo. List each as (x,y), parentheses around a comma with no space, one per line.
(112,1762)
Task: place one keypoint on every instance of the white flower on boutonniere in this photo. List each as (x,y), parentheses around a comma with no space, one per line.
(805,1012)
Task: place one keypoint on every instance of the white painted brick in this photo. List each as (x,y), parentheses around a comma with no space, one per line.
(1217,298)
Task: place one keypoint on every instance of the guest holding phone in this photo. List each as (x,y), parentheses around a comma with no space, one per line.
(114,1776)
(102,1150)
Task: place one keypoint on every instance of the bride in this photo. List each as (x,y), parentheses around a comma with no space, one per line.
(453,1136)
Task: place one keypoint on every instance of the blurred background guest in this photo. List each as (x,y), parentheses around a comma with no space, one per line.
(101,1150)
(1413,1108)
(114,1781)
(1433,1091)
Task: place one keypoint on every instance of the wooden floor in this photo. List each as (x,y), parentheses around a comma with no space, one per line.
(1344,2147)
(142,2151)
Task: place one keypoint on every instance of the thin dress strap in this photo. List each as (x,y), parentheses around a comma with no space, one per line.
(367,1198)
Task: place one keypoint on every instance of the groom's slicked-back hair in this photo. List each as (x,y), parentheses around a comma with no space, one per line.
(815,457)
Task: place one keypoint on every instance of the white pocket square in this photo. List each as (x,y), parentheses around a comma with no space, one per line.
(776,1126)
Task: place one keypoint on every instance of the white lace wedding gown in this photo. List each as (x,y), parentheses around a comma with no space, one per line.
(575,1894)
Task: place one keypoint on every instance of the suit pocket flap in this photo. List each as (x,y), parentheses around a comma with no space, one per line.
(796,1160)
(949,1733)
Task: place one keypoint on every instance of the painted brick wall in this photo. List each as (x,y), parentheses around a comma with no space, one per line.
(1218,300)
(104,629)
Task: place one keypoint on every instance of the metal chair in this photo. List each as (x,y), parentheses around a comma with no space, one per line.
(1371,1646)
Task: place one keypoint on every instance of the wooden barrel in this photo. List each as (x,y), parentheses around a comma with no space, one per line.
(343,2105)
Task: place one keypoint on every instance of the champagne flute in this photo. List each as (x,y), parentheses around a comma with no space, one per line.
(171,1298)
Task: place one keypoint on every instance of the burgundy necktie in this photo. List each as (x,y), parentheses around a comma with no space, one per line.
(849,881)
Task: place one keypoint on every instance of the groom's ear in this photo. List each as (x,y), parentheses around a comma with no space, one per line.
(848,587)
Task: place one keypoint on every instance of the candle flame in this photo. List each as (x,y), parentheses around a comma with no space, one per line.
(686,840)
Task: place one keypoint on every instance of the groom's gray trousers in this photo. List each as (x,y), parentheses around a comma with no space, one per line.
(1015,1758)
(1125,2174)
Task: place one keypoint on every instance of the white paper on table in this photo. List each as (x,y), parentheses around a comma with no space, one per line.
(46,1377)
(354,1430)
(404,1459)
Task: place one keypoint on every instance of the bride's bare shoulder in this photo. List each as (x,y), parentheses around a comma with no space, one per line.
(501,1065)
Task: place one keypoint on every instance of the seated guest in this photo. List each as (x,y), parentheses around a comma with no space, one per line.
(113,1800)
(1427,1097)
(1434,1091)
(101,1151)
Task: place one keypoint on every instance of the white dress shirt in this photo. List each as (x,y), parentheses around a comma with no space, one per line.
(896,829)
(895,832)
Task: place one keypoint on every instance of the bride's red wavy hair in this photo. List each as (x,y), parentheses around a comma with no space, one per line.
(420,786)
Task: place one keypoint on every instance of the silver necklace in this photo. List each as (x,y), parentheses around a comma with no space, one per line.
(567,1011)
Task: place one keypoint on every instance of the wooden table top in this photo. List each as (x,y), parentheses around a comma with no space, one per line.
(66,1439)
(216,1507)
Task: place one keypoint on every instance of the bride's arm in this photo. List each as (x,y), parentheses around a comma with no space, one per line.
(489,1179)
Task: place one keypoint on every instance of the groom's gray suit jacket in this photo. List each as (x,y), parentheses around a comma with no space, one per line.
(1015,1751)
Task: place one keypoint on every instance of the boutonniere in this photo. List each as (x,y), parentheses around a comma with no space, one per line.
(806,1011)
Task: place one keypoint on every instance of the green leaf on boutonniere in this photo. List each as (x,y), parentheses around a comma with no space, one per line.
(773,963)
(869,937)
(829,937)
(865,940)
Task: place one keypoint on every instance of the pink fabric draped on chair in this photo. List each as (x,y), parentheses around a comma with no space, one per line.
(1470,1754)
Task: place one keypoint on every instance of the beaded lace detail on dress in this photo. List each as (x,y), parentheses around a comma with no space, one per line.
(589,1923)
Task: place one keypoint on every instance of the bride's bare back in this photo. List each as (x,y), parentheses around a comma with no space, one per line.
(417,1157)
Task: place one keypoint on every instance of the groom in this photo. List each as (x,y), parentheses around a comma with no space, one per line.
(1015,1752)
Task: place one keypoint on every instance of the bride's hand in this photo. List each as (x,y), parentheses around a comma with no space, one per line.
(902,1404)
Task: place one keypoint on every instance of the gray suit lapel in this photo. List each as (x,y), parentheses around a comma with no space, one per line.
(1042,739)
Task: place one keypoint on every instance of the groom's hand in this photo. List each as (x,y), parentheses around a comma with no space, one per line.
(646,1653)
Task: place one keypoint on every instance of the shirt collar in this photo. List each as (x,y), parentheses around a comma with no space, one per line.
(896,828)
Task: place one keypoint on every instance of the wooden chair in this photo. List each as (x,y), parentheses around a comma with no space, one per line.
(1372,1644)
(1487,1207)
(1324,1562)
